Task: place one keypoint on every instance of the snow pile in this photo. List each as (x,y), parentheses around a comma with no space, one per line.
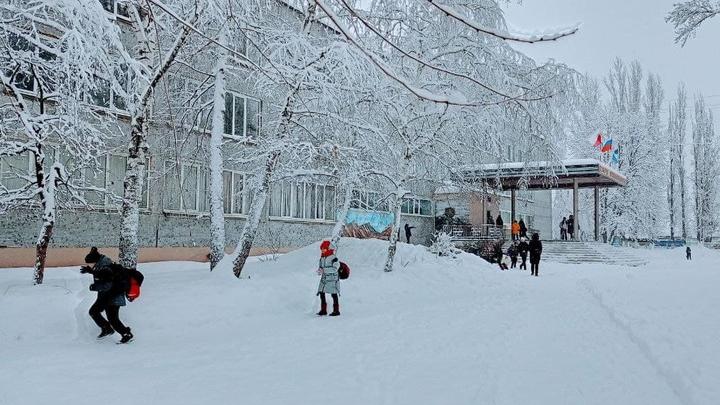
(433,329)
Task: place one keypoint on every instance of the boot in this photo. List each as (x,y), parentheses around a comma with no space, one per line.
(105,332)
(336,309)
(323,309)
(127,336)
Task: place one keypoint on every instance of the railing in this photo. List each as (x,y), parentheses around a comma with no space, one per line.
(470,232)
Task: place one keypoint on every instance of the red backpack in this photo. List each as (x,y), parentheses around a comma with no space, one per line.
(135,280)
(344,271)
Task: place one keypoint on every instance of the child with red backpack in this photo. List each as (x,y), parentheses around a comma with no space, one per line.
(113,284)
(329,269)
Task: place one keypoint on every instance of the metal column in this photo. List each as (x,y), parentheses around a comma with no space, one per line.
(512,206)
(597,213)
(576,219)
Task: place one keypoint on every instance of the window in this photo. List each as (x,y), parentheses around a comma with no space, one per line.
(302,200)
(417,206)
(116,7)
(195,98)
(185,187)
(104,96)
(11,168)
(242,116)
(369,200)
(233,192)
(109,175)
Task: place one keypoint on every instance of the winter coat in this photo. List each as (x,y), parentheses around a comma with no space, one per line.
(571,225)
(523,228)
(329,266)
(512,251)
(108,282)
(408,230)
(499,221)
(535,251)
(563,225)
(523,248)
(515,228)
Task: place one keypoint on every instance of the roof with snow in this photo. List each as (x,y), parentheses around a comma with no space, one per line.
(546,175)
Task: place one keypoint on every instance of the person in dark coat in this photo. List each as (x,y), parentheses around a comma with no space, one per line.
(523,229)
(523,249)
(535,252)
(108,281)
(570,226)
(498,255)
(688,253)
(513,253)
(499,224)
(408,232)
(563,229)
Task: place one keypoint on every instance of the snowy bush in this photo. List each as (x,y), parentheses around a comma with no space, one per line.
(443,245)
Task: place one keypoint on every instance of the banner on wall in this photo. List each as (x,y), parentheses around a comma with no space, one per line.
(364,224)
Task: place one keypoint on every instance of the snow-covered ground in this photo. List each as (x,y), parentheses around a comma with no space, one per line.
(435,331)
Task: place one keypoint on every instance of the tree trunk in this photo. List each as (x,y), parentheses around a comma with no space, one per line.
(217,215)
(46,193)
(133,185)
(342,216)
(392,248)
(251,224)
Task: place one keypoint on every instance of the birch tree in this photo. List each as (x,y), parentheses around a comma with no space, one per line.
(152,63)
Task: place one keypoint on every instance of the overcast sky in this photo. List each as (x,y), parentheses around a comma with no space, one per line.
(630,29)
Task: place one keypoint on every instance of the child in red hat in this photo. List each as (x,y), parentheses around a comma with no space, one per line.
(328,268)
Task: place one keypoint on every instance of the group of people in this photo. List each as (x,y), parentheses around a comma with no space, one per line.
(518,229)
(522,248)
(567,227)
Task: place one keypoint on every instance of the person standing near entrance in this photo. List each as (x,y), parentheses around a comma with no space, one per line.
(499,224)
(408,232)
(523,229)
(535,252)
(515,230)
(523,249)
(563,229)
(571,227)
(688,253)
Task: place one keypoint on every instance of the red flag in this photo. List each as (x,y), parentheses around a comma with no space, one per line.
(598,141)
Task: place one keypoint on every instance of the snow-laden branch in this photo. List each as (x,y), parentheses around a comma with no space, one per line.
(421,93)
(688,16)
(507,36)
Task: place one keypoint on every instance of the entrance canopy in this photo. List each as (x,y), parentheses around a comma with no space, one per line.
(569,174)
(566,174)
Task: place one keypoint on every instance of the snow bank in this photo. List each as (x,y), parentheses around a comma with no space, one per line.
(434,331)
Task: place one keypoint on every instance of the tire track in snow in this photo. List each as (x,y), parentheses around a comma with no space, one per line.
(671,378)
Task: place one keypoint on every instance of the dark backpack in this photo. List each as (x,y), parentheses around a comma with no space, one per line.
(344,271)
(127,281)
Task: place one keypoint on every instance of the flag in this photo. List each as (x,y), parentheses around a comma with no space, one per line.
(615,156)
(607,146)
(598,141)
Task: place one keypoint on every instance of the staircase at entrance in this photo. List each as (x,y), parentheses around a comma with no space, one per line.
(572,252)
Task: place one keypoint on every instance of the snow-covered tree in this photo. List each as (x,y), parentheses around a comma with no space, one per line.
(151,61)
(688,16)
(59,58)
(677,130)
(706,150)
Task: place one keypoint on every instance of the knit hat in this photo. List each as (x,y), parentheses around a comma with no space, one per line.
(325,245)
(93,256)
